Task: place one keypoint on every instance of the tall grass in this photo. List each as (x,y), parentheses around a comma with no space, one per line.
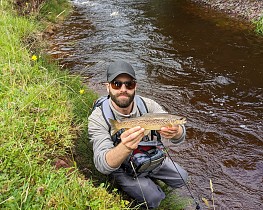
(54,10)
(259,25)
(41,114)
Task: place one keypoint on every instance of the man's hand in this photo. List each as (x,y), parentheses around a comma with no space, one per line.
(174,132)
(131,138)
(129,142)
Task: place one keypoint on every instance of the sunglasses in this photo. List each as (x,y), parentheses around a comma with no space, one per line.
(116,85)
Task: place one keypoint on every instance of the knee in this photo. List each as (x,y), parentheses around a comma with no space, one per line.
(180,179)
(183,180)
(154,199)
(184,175)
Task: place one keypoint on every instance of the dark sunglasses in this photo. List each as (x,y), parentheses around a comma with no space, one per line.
(116,85)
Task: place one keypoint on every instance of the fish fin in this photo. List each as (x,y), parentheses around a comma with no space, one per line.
(114,125)
(146,132)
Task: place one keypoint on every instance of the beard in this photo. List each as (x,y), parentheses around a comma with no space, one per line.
(122,103)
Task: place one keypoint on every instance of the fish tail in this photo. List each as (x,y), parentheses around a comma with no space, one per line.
(114,126)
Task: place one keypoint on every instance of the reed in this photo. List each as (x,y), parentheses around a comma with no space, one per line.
(212,191)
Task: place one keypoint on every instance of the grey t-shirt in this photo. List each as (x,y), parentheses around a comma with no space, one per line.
(101,138)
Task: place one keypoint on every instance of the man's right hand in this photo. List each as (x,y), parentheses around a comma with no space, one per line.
(132,137)
(129,142)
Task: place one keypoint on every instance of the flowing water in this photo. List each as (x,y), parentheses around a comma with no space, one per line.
(195,63)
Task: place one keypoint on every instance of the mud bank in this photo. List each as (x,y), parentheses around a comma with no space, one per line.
(248,10)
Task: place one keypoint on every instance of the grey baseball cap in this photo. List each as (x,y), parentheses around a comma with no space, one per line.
(119,67)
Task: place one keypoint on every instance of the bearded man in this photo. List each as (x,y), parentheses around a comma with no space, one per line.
(114,154)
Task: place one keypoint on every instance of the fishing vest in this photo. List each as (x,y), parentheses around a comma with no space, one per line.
(149,153)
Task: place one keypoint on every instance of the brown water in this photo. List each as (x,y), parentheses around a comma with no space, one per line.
(196,63)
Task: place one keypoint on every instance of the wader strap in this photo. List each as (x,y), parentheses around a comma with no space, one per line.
(141,105)
(107,112)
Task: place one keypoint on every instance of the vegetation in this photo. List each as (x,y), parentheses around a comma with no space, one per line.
(259,25)
(42,112)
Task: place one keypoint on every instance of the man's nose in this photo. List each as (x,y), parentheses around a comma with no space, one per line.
(123,87)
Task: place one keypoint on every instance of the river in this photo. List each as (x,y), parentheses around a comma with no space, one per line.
(194,62)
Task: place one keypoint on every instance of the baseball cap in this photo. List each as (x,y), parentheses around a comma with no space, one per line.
(119,67)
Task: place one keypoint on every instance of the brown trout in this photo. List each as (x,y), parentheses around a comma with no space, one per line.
(148,121)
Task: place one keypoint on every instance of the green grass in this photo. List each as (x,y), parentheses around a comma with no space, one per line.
(55,10)
(173,201)
(41,115)
(259,25)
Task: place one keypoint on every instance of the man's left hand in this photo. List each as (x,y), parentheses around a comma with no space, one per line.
(173,132)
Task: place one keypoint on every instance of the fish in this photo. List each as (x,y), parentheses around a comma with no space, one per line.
(148,121)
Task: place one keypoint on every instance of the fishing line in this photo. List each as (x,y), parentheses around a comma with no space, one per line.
(197,204)
(139,184)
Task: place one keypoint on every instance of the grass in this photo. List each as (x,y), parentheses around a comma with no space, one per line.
(42,113)
(259,25)
(54,10)
(173,201)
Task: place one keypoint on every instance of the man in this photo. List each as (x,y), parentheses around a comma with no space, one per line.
(109,157)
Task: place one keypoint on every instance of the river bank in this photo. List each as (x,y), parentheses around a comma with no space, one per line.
(248,10)
(43,113)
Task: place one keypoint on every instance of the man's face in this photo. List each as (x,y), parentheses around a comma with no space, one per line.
(122,96)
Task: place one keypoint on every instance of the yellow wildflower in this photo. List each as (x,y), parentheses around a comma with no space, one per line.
(34,57)
(206,202)
(81,91)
